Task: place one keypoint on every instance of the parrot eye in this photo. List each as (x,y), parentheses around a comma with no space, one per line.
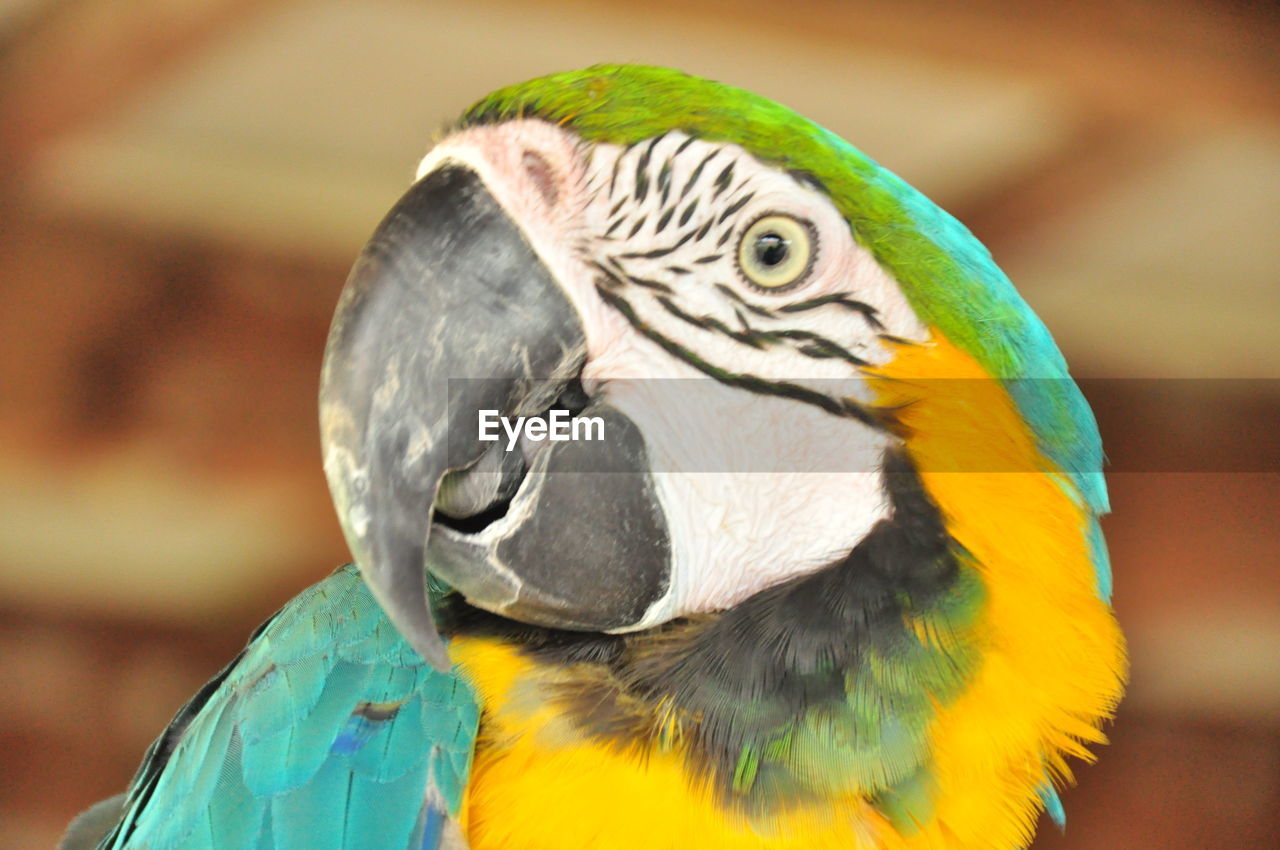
(776,252)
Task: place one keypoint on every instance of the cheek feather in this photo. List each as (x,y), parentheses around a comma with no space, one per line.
(756,489)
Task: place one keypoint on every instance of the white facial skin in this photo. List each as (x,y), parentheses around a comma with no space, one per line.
(757,488)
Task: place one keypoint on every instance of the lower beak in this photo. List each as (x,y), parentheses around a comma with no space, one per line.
(448,311)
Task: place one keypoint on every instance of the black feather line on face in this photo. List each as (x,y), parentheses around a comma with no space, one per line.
(814,345)
(664,220)
(734,207)
(697,172)
(827,347)
(688,213)
(740,678)
(657,252)
(733,294)
(610,278)
(613,181)
(711,323)
(724,237)
(723,179)
(878,418)
(655,285)
(664,182)
(843,299)
(642,170)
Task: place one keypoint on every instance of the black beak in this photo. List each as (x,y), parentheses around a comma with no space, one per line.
(449,311)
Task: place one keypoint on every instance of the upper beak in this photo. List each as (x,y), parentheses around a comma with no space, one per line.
(448,311)
(446,295)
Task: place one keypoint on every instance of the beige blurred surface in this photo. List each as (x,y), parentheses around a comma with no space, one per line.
(186,182)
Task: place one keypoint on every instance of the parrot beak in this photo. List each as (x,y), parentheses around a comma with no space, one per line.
(447,288)
(448,311)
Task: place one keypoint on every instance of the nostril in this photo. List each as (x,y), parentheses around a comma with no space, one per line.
(543,177)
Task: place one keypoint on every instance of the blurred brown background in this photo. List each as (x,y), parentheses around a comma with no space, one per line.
(184,183)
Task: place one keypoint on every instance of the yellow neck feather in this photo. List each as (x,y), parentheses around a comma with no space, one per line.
(1051,672)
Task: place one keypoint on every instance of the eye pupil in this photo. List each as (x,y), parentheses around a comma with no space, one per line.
(771,249)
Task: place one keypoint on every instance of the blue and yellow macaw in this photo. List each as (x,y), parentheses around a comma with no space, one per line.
(824,571)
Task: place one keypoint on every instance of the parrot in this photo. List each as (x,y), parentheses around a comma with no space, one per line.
(825,571)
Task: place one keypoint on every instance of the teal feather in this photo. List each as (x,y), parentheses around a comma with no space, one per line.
(266,836)
(329,731)
(208,733)
(384,814)
(1101,559)
(284,694)
(341,809)
(267,769)
(295,815)
(1053,804)
(449,770)
(441,725)
(392,750)
(384,642)
(206,781)
(346,689)
(233,817)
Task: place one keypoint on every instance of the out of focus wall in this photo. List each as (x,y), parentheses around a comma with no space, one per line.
(186,183)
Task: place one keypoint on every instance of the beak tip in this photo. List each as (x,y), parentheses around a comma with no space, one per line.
(395,575)
(414,621)
(409,611)
(433,651)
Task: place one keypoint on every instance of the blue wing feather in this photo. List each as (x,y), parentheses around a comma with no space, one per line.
(328,731)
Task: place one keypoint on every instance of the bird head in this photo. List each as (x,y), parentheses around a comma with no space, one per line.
(754,324)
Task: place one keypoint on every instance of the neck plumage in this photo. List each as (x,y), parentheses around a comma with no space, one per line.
(931,684)
(820,685)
